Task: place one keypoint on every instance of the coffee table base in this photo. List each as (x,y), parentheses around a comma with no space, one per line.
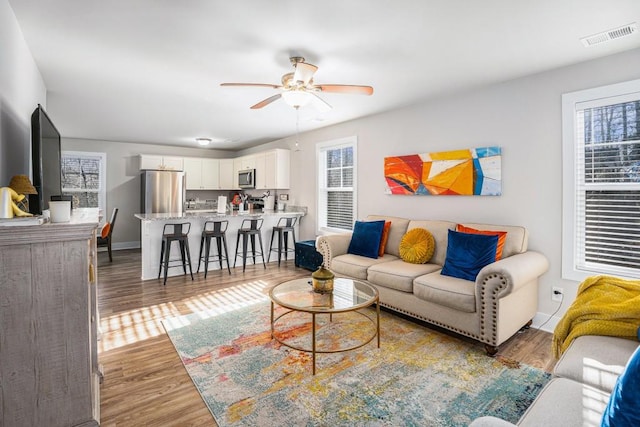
(314,350)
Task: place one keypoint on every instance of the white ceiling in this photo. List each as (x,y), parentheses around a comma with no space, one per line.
(150,70)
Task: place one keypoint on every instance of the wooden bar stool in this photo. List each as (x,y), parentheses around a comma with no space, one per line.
(283,228)
(249,229)
(175,233)
(214,230)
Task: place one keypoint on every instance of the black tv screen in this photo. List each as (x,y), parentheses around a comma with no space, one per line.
(45,161)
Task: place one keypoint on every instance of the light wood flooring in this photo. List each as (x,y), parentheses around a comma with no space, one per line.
(145,383)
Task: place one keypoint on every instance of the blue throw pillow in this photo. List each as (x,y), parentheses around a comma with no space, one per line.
(467,253)
(623,409)
(366,237)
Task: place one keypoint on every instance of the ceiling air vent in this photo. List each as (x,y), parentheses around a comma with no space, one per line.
(606,36)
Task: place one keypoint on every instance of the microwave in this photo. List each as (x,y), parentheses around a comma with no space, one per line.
(247,178)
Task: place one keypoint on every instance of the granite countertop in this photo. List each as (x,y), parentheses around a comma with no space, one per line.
(214,214)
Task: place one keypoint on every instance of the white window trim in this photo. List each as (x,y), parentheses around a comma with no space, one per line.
(335,143)
(102,191)
(569,103)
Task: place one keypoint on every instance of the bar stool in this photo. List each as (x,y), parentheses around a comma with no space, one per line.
(175,233)
(249,228)
(214,230)
(283,228)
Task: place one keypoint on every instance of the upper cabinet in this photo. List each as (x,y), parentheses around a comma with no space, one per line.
(228,174)
(150,161)
(272,169)
(202,174)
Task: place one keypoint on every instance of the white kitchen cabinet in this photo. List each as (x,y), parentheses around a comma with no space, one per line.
(248,162)
(201,174)
(277,168)
(227,175)
(156,162)
(211,174)
(272,169)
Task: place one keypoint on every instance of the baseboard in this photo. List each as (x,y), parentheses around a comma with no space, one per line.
(121,246)
(545,321)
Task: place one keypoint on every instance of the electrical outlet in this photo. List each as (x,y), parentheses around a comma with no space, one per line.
(557,294)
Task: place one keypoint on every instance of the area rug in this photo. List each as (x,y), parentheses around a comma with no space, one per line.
(418,376)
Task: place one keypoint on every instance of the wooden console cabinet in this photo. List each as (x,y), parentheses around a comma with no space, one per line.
(49,372)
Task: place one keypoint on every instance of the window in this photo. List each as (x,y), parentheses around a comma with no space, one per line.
(84,178)
(336,184)
(601,201)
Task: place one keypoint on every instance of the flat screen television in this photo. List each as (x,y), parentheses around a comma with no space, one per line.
(45,161)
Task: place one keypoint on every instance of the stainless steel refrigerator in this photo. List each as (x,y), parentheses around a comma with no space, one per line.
(163,191)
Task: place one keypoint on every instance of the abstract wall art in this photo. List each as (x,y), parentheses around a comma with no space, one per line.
(470,172)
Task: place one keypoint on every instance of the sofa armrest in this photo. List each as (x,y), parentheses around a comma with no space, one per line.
(509,274)
(490,422)
(507,295)
(332,245)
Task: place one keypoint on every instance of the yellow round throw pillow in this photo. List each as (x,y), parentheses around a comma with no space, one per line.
(417,246)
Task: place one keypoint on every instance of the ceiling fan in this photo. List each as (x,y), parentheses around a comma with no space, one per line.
(298,89)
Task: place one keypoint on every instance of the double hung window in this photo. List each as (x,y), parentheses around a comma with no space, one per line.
(601,201)
(336,184)
(84,178)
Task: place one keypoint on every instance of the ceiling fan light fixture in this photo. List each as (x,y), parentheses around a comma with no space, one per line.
(203,141)
(296,98)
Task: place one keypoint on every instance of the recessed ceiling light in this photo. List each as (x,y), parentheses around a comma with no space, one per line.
(203,141)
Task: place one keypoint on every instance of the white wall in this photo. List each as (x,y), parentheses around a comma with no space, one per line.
(123,179)
(523,116)
(21,90)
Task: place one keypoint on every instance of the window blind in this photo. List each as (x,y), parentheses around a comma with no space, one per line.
(336,189)
(607,199)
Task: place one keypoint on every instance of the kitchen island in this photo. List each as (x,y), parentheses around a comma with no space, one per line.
(151,237)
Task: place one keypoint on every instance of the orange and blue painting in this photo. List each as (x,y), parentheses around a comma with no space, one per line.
(470,172)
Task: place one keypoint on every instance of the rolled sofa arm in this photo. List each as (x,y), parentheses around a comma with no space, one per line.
(509,274)
(332,245)
(490,422)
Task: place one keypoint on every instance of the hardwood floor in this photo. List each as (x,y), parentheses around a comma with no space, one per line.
(145,383)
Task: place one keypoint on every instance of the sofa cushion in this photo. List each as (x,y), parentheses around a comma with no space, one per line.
(516,241)
(417,246)
(355,265)
(624,403)
(564,402)
(365,239)
(467,254)
(396,231)
(398,274)
(439,230)
(502,237)
(595,360)
(384,238)
(448,291)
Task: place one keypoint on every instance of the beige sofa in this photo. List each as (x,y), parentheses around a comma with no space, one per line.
(501,301)
(578,395)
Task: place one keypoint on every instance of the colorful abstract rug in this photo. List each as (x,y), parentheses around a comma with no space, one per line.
(417,377)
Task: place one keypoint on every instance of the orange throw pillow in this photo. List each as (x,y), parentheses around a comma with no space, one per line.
(502,236)
(384,238)
(105,230)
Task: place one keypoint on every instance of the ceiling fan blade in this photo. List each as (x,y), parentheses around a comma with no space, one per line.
(252,84)
(304,72)
(356,89)
(319,103)
(266,102)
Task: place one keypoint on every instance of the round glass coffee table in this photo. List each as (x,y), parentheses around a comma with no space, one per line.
(347,296)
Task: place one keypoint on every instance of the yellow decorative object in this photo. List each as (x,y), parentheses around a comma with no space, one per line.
(22,185)
(322,280)
(605,305)
(417,246)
